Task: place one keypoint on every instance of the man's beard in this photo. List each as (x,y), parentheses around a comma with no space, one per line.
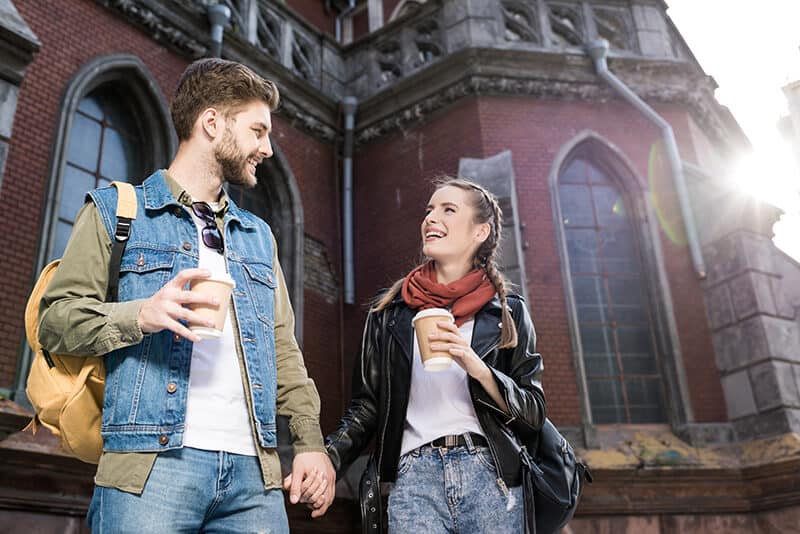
(233,162)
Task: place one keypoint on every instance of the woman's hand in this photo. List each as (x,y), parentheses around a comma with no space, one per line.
(459,348)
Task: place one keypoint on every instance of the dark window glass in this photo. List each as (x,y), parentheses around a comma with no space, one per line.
(103,144)
(616,330)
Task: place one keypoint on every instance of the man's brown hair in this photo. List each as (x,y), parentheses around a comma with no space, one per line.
(213,82)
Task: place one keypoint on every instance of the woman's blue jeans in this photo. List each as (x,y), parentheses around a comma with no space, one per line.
(453,491)
(191,490)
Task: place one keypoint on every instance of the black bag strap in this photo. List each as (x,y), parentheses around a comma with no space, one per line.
(126,213)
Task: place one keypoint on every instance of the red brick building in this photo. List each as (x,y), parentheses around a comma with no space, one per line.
(667,319)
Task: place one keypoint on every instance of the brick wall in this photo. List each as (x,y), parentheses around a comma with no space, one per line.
(314,13)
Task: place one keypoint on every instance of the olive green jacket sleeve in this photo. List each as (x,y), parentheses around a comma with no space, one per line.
(297,396)
(73,315)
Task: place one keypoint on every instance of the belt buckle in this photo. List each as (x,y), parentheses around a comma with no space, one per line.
(451,440)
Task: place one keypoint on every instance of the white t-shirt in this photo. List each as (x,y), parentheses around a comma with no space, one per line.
(217,418)
(439,403)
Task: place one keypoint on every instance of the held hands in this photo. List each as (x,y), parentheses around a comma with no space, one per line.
(167,307)
(312,481)
(458,347)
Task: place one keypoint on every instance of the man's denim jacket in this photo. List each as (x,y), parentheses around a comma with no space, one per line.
(147,384)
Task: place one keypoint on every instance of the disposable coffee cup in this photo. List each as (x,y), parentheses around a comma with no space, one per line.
(219,286)
(424,323)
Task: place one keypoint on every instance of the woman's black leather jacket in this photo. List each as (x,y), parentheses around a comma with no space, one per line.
(381,386)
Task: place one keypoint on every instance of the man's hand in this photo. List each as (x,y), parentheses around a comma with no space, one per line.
(167,307)
(312,481)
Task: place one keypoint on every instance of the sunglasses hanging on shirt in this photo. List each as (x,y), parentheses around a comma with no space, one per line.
(211,235)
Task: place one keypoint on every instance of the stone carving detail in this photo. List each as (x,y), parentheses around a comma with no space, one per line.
(428,41)
(300,119)
(566,24)
(390,59)
(521,22)
(268,33)
(160,28)
(616,26)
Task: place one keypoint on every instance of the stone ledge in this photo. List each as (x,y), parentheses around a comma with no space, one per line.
(653,471)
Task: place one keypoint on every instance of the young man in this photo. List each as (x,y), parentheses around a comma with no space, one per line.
(193,451)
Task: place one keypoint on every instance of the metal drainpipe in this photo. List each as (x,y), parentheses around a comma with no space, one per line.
(349,105)
(219,15)
(598,50)
(341,16)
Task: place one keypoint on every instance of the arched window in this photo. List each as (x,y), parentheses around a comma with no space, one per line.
(104,143)
(114,125)
(614,319)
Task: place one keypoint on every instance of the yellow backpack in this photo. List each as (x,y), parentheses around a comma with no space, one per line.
(67,391)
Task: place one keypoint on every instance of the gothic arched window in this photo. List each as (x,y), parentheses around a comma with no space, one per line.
(613,316)
(104,143)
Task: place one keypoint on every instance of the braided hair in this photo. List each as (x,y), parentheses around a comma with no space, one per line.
(487,210)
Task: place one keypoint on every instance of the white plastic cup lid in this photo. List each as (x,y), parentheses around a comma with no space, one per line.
(432,312)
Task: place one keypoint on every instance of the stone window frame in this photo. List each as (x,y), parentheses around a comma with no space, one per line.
(153,117)
(594,147)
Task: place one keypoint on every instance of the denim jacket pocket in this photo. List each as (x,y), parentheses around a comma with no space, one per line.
(261,282)
(144,270)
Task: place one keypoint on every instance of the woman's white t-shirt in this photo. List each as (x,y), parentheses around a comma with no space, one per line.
(439,403)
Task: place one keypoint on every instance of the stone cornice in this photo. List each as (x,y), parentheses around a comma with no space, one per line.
(492,72)
(156,21)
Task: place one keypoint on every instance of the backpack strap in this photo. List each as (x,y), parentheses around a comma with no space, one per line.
(126,212)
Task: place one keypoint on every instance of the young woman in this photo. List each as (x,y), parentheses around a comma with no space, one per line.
(440,435)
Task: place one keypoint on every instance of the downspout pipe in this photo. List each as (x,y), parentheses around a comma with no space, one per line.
(340,17)
(598,50)
(349,106)
(219,15)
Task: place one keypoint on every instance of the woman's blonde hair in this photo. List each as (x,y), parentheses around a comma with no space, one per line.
(487,210)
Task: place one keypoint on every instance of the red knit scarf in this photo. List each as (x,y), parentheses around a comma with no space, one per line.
(463,298)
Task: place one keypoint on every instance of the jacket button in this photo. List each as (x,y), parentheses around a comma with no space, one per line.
(176,338)
(172,387)
(163,439)
(187,245)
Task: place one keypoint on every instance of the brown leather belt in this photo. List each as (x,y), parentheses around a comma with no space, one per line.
(459,440)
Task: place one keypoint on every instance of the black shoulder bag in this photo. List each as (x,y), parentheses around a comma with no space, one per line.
(552,480)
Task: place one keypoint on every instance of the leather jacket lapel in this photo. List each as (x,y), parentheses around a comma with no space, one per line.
(486,332)
(400,327)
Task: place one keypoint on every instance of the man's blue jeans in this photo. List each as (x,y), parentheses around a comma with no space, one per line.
(453,491)
(191,490)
